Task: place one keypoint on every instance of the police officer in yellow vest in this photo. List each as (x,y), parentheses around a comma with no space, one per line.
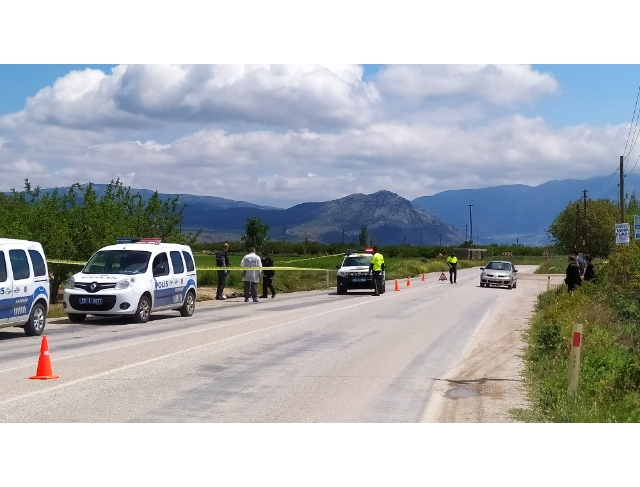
(377,266)
(452,262)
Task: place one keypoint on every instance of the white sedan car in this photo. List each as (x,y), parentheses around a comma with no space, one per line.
(499,273)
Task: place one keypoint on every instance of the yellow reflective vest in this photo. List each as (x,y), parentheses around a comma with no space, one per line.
(376,261)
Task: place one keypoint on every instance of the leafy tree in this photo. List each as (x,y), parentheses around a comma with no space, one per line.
(568,230)
(72,225)
(255,233)
(363,237)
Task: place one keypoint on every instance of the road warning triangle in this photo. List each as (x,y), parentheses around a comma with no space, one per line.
(442,277)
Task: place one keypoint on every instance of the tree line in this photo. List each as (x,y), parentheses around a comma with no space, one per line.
(73,224)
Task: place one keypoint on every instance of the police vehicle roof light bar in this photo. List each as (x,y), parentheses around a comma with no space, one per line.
(138,240)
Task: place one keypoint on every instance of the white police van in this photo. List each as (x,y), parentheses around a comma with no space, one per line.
(24,285)
(133,277)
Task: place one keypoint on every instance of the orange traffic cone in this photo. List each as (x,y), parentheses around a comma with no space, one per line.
(423,277)
(409,281)
(397,286)
(44,362)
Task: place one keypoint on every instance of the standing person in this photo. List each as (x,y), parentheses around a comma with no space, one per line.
(376,267)
(222,260)
(251,276)
(580,262)
(452,262)
(267,276)
(572,278)
(589,270)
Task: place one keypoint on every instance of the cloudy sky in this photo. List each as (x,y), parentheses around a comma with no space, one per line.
(282,134)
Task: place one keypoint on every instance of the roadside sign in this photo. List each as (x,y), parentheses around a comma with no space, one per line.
(636,227)
(622,233)
(442,277)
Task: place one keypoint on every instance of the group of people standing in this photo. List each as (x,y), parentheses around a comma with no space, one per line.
(579,270)
(250,277)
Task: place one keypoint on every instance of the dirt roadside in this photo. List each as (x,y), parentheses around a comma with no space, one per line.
(485,382)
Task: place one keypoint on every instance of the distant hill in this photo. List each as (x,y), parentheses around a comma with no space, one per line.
(390,219)
(506,213)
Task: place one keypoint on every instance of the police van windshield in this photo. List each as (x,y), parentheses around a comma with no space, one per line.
(118,262)
(353,261)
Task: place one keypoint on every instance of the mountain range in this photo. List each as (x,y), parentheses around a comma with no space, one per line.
(502,214)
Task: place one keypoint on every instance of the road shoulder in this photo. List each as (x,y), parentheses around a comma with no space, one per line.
(485,383)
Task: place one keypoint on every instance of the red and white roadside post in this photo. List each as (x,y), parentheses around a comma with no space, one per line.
(574,358)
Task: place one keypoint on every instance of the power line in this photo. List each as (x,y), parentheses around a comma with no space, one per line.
(632,119)
(634,166)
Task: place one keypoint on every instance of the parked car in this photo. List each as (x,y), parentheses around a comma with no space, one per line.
(499,273)
(354,272)
(133,277)
(24,285)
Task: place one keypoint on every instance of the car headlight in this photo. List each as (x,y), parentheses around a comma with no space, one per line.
(341,273)
(70,283)
(125,283)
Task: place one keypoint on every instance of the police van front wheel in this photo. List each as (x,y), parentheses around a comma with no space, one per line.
(143,311)
(77,317)
(37,320)
(189,305)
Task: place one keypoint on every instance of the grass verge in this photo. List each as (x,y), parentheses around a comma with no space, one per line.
(609,383)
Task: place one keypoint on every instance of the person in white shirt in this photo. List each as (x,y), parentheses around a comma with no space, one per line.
(251,277)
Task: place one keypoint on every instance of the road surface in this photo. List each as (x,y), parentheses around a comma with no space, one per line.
(301,357)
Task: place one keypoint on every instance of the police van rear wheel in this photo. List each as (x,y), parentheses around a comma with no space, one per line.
(77,317)
(37,320)
(189,305)
(143,311)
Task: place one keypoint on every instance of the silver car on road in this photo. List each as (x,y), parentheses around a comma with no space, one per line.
(499,273)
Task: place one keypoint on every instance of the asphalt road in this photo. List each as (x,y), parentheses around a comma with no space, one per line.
(301,357)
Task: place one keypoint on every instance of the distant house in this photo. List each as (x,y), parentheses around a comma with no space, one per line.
(470,254)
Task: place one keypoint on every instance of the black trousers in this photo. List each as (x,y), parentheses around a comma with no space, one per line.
(377,282)
(453,274)
(267,285)
(222,282)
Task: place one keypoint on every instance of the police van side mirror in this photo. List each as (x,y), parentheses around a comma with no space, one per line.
(337,267)
(481,268)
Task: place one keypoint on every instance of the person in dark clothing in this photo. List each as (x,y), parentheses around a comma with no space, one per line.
(589,271)
(572,278)
(222,260)
(580,262)
(267,276)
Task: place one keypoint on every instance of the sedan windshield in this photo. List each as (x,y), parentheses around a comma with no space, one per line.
(499,266)
(118,262)
(356,261)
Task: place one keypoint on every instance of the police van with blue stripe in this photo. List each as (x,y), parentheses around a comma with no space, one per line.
(133,278)
(24,285)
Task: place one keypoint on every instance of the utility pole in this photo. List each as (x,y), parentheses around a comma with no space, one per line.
(470,224)
(420,239)
(575,240)
(584,235)
(283,234)
(621,189)
(466,232)
(440,240)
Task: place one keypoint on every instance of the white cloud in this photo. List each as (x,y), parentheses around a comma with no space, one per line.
(407,158)
(138,96)
(499,84)
(282,135)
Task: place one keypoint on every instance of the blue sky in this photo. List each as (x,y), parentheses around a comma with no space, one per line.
(284,134)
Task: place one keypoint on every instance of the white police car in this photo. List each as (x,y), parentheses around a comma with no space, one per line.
(354,272)
(24,285)
(133,277)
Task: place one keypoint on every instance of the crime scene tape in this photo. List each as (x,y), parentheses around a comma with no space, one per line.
(71,262)
(311,258)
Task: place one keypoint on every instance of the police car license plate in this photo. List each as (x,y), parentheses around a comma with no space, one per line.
(358,280)
(97,301)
